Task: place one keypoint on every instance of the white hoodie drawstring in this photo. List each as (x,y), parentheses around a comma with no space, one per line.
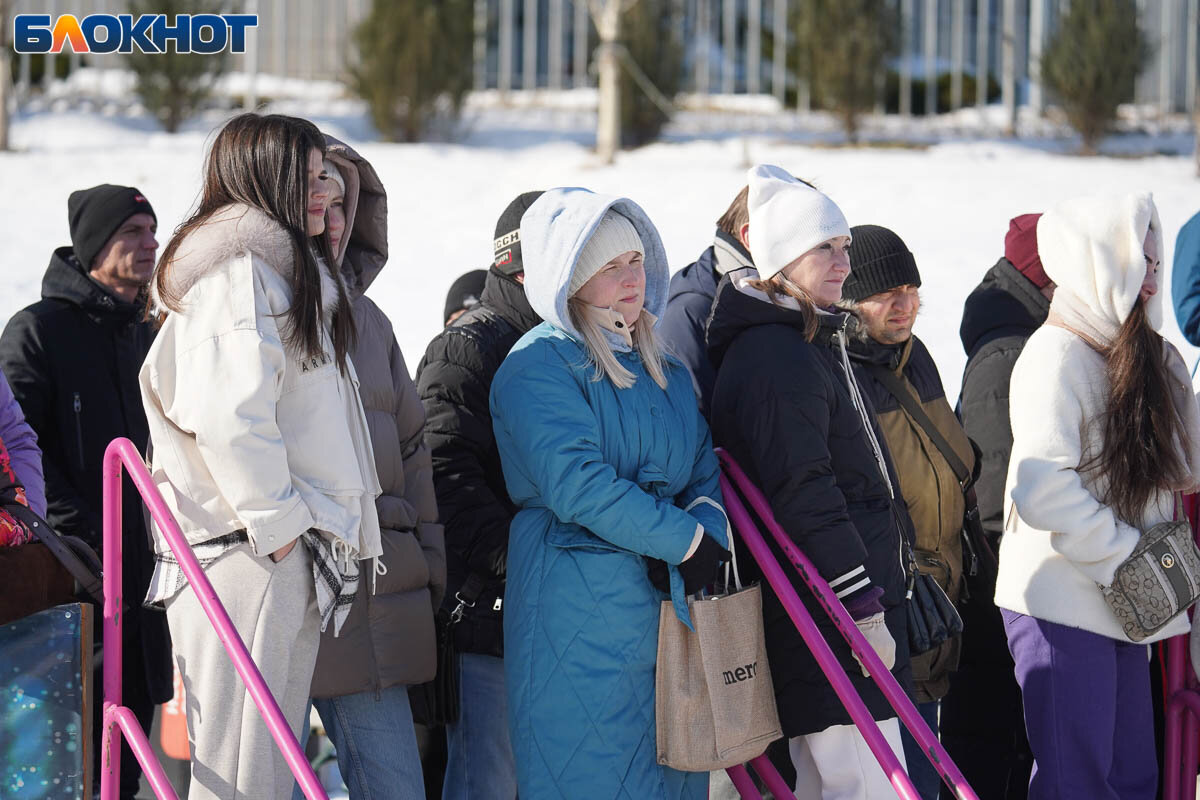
(857,400)
(379,569)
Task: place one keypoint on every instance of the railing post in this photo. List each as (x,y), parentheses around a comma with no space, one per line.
(122,452)
(110,757)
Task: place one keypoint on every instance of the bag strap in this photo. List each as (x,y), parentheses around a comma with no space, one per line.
(89,581)
(467,595)
(896,388)
(737,579)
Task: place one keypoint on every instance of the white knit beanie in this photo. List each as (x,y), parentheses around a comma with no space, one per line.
(614,236)
(787,219)
(335,174)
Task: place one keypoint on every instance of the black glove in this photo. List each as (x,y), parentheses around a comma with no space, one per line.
(656,568)
(701,569)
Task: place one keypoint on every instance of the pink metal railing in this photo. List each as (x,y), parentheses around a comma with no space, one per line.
(117,718)
(1181,746)
(732,476)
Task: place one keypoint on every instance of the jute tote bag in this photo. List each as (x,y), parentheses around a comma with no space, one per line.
(714,701)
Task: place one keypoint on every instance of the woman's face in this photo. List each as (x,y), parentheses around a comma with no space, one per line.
(620,285)
(335,217)
(821,271)
(1153,264)
(318,192)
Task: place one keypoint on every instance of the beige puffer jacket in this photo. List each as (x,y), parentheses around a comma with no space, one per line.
(388,638)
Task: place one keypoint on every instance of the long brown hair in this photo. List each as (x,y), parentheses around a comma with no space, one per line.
(778,287)
(1140,425)
(262,161)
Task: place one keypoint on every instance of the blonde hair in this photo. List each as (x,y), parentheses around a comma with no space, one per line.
(602,358)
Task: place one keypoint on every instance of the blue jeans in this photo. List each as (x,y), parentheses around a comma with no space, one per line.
(924,777)
(479,763)
(375,742)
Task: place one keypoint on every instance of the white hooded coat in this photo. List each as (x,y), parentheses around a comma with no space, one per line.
(1061,542)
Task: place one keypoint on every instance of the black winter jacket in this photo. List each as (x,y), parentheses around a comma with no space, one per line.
(782,408)
(454,380)
(682,328)
(72,360)
(999,316)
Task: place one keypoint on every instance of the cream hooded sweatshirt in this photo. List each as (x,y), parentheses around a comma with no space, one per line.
(1061,543)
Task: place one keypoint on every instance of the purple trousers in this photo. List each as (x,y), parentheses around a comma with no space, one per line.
(1087,710)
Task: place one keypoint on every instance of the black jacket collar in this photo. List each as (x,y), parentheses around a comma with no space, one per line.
(735,311)
(1004,303)
(506,297)
(66,280)
(867,351)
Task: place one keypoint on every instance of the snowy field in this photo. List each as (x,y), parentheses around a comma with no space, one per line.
(951,202)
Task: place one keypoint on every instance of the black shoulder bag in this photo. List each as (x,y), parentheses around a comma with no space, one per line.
(932,618)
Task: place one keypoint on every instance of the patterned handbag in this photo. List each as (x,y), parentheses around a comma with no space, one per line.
(1159,580)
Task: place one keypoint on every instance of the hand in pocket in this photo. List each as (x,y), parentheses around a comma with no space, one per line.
(282,552)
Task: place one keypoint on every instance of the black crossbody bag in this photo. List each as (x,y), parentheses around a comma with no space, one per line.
(932,618)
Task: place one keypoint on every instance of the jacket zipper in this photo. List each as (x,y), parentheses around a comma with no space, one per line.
(78,405)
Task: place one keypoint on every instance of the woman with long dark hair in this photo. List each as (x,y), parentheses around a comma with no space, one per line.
(260,444)
(1105,430)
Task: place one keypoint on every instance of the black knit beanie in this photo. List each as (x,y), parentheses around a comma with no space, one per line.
(506,247)
(879,262)
(464,293)
(95,214)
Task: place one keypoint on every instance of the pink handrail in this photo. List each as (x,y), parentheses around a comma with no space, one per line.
(732,474)
(1181,746)
(120,454)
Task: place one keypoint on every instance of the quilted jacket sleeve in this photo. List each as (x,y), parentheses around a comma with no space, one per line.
(453,382)
(418,472)
(705,482)
(550,444)
(1044,479)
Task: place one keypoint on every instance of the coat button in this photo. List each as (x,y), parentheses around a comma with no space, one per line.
(654,410)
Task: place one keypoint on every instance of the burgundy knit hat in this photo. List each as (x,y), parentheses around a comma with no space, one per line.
(1020,248)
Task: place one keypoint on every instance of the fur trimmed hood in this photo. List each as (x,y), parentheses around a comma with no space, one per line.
(228,234)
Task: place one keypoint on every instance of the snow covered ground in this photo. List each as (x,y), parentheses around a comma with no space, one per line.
(950,201)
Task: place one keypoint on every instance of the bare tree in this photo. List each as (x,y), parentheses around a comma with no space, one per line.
(607,16)
(5,76)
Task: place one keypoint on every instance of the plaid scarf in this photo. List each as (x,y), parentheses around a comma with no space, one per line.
(336,579)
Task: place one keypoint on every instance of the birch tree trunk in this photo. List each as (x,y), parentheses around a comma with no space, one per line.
(607,15)
(5,76)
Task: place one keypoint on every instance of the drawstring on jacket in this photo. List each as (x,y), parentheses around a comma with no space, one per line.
(856,399)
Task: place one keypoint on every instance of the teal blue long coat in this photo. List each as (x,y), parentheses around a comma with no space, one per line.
(602,477)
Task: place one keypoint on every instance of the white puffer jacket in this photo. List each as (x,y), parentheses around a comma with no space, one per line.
(1060,541)
(248,433)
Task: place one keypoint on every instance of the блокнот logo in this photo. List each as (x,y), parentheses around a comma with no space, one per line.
(121,33)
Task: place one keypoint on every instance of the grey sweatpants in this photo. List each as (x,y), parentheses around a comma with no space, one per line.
(274,608)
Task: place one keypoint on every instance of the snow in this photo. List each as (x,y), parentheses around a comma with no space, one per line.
(950,200)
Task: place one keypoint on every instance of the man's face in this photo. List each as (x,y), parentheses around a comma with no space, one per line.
(889,316)
(126,261)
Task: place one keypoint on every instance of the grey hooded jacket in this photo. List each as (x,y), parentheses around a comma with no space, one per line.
(388,639)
